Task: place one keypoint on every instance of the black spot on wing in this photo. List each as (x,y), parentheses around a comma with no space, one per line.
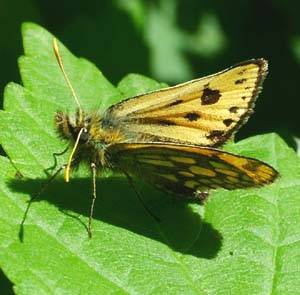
(216,134)
(176,102)
(156,121)
(242,72)
(210,96)
(228,122)
(165,122)
(252,166)
(240,81)
(233,110)
(193,116)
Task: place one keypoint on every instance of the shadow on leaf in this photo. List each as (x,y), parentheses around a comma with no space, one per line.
(181,227)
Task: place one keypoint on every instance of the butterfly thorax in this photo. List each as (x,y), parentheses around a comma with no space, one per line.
(93,138)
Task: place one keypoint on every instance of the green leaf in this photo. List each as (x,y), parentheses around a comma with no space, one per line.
(240,242)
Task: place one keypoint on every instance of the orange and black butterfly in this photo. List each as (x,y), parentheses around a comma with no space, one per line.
(170,137)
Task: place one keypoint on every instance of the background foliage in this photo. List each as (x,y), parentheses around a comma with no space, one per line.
(172,41)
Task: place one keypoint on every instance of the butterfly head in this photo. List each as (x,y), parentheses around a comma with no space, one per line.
(73,128)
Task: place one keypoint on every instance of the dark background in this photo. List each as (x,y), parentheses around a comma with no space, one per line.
(172,41)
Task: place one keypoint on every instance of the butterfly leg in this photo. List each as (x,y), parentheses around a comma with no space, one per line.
(94,196)
(18,174)
(130,180)
(34,197)
(55,155)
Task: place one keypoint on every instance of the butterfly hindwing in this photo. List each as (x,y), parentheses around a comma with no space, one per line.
(188,170)
(204,112)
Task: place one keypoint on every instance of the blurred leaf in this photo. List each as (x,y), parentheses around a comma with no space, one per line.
(169,43)
(209,39)
(295,46)
(135,8)
(166,43)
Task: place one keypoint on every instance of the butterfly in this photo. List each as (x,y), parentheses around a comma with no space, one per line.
(170,137)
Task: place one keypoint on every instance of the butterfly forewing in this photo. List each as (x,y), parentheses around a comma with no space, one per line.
(202,112)
(188,170)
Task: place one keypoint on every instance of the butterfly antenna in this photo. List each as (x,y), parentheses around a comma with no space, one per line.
(61,65)
(68,166)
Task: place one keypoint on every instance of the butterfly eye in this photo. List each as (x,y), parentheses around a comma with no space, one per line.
(84,136)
